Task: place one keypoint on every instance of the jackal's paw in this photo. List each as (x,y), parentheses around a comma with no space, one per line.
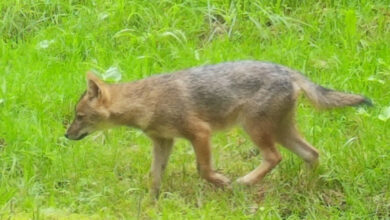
(246,180)
(154,193)
(218,180)
(313,165)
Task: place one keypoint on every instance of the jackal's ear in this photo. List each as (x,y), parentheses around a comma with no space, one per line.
(96,88)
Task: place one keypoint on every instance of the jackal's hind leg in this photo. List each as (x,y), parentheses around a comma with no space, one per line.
(292,140)
(264,139)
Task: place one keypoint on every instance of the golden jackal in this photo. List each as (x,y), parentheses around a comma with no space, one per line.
(193,103)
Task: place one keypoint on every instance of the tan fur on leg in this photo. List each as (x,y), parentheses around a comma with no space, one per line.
(161,151)
(261,136)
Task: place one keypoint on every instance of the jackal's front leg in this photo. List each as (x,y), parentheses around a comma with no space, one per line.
(161,151)
(201,144)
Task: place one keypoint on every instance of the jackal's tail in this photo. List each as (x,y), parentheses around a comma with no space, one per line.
(327,98)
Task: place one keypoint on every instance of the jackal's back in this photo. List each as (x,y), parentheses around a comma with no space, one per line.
(221,93)
(224,91)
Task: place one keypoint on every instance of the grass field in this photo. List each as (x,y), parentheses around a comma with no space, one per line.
(47,46)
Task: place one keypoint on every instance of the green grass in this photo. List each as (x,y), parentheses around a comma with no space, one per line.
(47,46)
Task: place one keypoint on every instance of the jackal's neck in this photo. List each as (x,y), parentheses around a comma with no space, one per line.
(130,104)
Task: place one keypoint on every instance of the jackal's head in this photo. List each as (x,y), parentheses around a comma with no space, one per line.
(91,111)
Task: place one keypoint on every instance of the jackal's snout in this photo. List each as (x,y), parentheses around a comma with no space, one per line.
(76,131)
(76,138)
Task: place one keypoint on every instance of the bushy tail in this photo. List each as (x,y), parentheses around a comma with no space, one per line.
(327,98)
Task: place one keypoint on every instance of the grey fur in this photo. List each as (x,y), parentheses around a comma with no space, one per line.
(249,87)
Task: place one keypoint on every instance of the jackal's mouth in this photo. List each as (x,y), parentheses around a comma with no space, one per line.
(81,136)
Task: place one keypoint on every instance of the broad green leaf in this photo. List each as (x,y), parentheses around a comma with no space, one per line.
(374,79)
(385,115)
(112,74)
(103,16)
(44,44)
(363,112)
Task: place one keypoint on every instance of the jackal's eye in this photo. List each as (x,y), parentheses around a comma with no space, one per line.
(79,116)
